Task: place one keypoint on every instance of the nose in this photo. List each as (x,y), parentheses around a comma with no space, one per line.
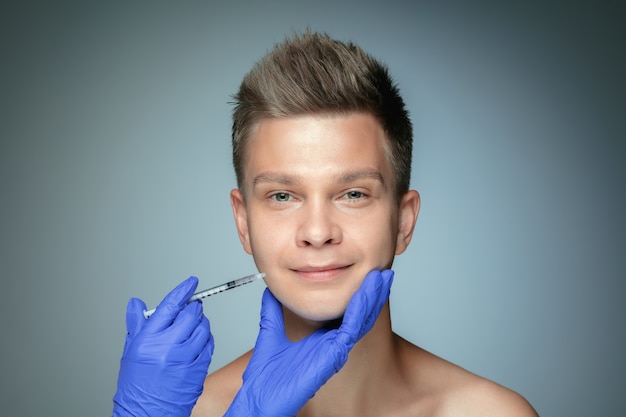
(318,226)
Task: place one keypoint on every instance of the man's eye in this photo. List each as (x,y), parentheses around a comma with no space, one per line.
(281,197)
(353,195)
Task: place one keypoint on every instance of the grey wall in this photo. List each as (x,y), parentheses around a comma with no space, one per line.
(115,173)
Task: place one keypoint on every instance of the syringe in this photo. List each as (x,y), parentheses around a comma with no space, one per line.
(212,291)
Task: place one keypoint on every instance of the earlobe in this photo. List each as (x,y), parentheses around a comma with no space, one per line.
(240,212)
(407,217)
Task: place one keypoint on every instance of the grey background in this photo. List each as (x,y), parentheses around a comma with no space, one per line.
(115,172)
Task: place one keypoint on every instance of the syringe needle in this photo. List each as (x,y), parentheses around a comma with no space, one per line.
(216,290)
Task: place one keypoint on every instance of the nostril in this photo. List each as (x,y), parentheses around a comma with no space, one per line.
(317,227)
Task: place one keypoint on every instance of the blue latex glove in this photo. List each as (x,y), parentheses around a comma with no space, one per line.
(283,375)
(165,358)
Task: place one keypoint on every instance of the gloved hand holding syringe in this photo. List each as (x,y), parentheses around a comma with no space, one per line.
(166,358)
(215,290)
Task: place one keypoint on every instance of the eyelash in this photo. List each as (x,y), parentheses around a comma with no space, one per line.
(283,197)
(354,195)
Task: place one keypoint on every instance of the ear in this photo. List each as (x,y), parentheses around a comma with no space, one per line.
(407,216)
(238,204)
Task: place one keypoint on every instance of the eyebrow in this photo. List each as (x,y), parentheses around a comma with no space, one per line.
(360,174)
(343,178)
(274,177)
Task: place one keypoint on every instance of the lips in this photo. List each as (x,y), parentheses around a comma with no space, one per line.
(321,273)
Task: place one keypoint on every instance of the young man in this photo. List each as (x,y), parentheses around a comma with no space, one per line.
(322,151)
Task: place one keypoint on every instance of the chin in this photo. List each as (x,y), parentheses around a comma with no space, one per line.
(320,314)
(324,303)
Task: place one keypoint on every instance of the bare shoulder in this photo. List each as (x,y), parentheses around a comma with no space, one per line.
(220,387)
(452,390)
(486,398)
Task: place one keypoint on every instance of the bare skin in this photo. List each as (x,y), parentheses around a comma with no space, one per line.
(321,192)
(402,380)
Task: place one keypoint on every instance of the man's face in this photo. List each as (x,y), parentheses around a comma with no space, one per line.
(320,211)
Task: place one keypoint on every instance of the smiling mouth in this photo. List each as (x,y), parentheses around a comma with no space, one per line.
(324,273)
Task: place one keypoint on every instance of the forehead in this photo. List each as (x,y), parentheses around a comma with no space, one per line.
(317,148)
(328,138)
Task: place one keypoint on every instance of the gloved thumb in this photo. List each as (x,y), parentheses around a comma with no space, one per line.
(365,306)
(134,315)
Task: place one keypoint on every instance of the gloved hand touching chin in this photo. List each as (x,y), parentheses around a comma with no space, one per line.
(165,358)
(283,375)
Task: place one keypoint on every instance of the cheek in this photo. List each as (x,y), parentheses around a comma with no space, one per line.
(268,239)
(377,240)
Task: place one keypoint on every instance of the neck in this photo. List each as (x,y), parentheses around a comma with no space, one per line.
(372,365)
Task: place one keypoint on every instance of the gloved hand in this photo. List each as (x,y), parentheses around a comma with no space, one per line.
(283,375)
(165,358)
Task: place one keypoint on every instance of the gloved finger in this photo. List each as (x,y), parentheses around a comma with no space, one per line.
(134,316)
(271,333)
(203,359)
(185,352)
(201,341)
(171,305)
(379,300)
(364,307)
(381,297)
(272,315)
(185,323)
(205,356)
